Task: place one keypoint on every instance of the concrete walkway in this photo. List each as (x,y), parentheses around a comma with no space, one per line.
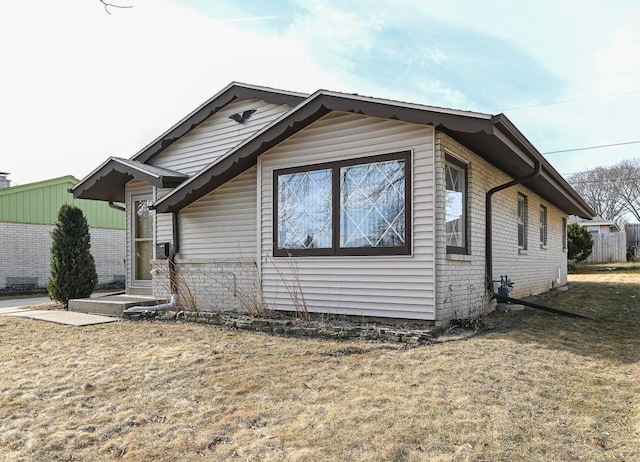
(69,318)
(15,308)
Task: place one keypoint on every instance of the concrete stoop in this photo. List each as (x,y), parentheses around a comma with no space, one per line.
(111,305)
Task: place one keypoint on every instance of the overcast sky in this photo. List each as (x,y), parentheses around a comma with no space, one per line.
(79,85)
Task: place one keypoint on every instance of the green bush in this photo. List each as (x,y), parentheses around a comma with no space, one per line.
(579,243)
(73,269)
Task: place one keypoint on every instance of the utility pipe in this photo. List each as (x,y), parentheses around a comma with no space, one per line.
(152,308)
(116,207)
(504,299)
(489,220)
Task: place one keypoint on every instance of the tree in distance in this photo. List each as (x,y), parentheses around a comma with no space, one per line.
(612,192)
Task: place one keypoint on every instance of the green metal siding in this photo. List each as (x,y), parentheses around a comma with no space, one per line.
(38,203)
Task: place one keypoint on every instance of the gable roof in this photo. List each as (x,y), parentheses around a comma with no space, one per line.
(493,137)
(67,179)
(39,203)
(107,182)
(596,221)
(227,95)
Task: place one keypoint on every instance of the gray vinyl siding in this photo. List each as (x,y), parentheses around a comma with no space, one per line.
(216,135)
(384,286)
(222,224)
(164,221)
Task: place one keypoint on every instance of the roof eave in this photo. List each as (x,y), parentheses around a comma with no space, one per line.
(482,128)
(107,182)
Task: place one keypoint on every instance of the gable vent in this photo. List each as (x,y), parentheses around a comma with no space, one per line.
(241,117)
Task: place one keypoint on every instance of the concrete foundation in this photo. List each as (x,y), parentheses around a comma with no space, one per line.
(507,307)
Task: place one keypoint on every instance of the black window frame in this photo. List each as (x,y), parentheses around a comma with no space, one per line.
(335,249)
(464,250)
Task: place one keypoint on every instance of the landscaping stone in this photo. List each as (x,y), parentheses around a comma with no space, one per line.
(342,330)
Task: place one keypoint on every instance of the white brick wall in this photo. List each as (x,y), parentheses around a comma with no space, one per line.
(461,283)
(216,284)
(26,251)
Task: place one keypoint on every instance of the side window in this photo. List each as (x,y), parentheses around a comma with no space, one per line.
(522,222)
(564,234)
(543,225)
(455,173)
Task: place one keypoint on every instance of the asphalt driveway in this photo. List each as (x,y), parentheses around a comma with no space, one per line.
(18,302)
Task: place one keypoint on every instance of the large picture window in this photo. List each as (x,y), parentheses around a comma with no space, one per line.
(455,173)
(355,207)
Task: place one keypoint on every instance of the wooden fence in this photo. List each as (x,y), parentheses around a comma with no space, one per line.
(608,248)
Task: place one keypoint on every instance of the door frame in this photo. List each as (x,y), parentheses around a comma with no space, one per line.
(132,254)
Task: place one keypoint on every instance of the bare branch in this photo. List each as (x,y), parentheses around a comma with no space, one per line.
(613,192)
(107,5)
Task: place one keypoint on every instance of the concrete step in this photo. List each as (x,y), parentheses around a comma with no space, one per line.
(145,291)
(111,305)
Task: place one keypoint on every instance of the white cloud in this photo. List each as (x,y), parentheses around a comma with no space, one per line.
(440,91)
(615,62)
(333,34)
(85,85)
(79,85)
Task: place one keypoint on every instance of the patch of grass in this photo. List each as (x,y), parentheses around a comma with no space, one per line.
(45,306)
(535,387)
(591,268)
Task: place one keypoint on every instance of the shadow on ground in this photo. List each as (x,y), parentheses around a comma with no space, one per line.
(614,336)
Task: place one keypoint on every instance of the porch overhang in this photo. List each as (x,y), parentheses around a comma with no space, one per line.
(107,182)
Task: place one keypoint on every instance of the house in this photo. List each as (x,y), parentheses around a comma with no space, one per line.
(28,214)
(597,225)
(609,242)
(361,205)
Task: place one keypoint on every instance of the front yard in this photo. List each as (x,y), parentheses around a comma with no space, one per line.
(535,387)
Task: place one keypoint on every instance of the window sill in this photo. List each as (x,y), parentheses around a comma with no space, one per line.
(523,252)
(543,246)
(458,257)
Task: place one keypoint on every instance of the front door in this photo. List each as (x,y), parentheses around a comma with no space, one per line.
(142,232)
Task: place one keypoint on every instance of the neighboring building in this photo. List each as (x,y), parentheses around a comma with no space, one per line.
(597,225)
(365,206)
(4,181)
(609,242)
(27,217)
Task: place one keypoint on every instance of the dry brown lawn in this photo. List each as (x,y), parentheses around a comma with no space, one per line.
(535,387)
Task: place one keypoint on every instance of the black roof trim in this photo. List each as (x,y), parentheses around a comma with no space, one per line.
(494,138)
(107,182)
